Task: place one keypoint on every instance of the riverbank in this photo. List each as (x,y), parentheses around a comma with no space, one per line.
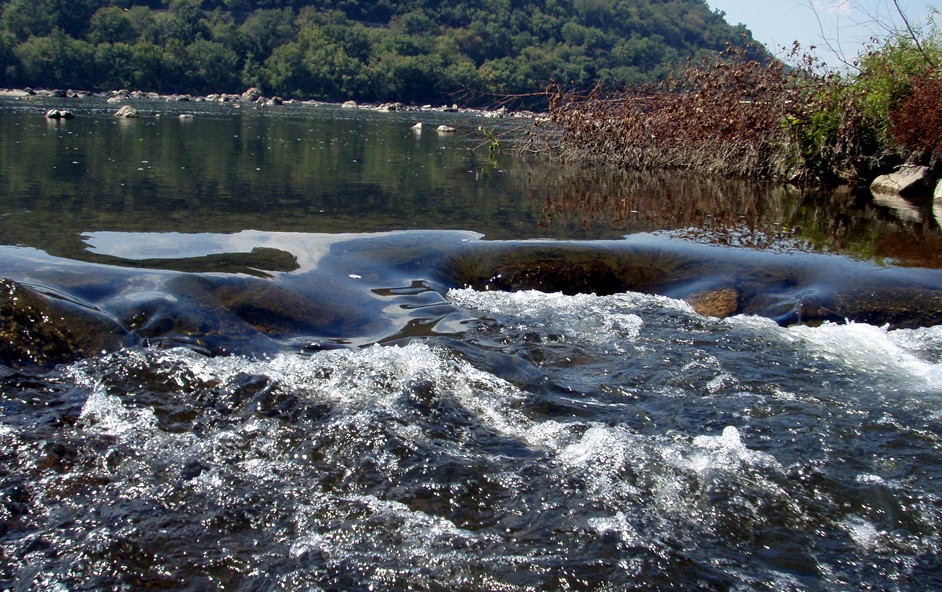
(254,97)
(799,123)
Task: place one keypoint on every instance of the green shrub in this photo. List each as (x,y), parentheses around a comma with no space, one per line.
(737,116)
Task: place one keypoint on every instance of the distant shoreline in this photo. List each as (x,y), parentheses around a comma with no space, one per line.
(119,96)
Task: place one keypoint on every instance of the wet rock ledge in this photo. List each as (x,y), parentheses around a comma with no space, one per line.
(43,329)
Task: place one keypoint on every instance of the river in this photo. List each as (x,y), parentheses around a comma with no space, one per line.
(312,348)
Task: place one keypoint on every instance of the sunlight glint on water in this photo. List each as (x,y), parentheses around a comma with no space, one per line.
(409,465)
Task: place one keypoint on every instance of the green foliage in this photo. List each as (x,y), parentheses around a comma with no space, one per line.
(55,57)
(375,50)
(263,31)
(25,18)
(736,116)
(212,67)
(112,25)
(844,130)
(8,62)
(887,75)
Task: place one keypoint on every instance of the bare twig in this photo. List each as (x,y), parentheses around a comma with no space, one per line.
(912,34)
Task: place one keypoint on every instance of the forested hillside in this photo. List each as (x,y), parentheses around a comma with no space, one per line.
(414,51)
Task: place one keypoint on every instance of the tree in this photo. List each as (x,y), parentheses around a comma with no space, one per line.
(265,30)
(57,58)
(29,18)
(184,22)
(112,25)
(283,71)
(334,49)
(147,66)
(9,70)
(114,65)
(212,67)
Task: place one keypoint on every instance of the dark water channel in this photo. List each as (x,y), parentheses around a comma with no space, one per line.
(312,348)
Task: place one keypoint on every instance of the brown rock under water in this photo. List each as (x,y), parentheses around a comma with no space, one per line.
(720,303)
(40,330)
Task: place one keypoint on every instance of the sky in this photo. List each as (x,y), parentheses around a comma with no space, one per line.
(846,25)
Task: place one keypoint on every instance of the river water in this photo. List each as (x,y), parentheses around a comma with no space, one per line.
(310,348)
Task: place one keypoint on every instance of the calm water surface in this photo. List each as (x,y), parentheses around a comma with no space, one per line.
(310,348)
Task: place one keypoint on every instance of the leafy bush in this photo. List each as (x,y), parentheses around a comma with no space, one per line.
(739,116)
(917,122)
(722,116)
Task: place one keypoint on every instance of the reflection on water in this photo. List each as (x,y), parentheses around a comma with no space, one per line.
(746,213)
(308,168)
(306,349)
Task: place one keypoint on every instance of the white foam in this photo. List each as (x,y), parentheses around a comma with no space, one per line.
(863,532)
(726,451)
(371,380)
(620,524)
(870,479)
(602,456)
(897,358)
(108,414)
(875,350)
(908,358)
(582,316)
(308,543)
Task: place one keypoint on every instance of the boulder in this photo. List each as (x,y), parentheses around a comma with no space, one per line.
(350,105)
(40,329)
(720,303)
(127,112)
(908,180)
(119,96)
(59,114)
(251,95)
(445,129)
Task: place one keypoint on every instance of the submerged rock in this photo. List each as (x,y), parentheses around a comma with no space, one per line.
(37,329)
(720,303)
(566,270)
